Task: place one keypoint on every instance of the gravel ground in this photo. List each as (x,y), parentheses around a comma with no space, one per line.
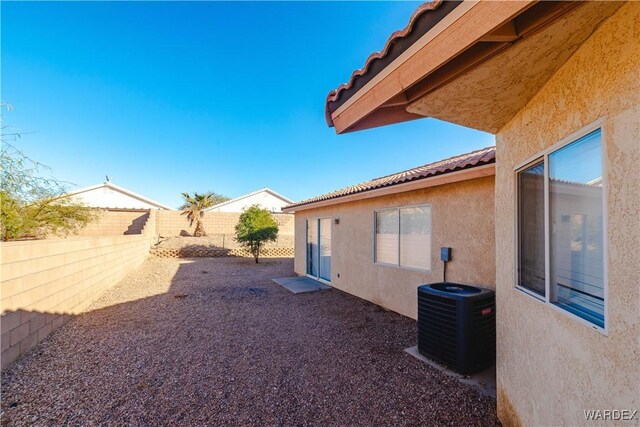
(212,341)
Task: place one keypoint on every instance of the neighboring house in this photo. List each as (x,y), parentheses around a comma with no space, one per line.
(110,196)
(265,197)
(381,238)
(558,84)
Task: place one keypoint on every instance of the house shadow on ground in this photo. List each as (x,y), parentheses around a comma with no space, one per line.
(213,341)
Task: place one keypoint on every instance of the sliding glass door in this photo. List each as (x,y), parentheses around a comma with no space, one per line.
(319,248)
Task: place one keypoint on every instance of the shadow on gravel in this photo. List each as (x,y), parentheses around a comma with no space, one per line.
(212,341)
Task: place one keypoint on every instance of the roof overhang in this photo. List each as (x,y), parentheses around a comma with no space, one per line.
(448,178)
(476,67)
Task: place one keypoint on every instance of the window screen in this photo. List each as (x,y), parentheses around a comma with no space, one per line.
(577,234)
(403,237)
(386,244)
(415,237)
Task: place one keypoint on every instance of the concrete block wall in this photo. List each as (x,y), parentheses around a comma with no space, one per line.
(116,223)
(219,224)
(187,252)
(45,283)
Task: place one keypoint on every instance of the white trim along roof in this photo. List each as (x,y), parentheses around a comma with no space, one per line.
(124,191)
(265,189)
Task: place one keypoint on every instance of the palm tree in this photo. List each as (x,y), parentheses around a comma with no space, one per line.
(194,208)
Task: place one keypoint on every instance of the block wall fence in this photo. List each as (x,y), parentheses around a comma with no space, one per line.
(172,223)
(218,225)
(116,223)
(44,283)
(47,282)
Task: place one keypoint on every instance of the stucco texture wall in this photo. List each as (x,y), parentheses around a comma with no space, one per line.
(551,367)
(462,218)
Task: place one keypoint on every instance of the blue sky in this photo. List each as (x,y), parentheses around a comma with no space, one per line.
(228,97)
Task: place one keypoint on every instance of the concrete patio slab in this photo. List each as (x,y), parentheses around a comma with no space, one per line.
(484,380)
(298,285)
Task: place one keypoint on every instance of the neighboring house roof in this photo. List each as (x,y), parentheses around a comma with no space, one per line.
(262,190)
(473,159)
(122,190)
(425,17)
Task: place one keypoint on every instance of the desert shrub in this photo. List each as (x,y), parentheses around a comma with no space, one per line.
(31,205)
(255,228)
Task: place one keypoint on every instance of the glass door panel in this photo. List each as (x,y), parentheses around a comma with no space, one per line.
(312,247)
(325,249)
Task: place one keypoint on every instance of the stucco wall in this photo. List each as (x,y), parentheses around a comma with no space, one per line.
(551,367)
(462,218)
(46,282)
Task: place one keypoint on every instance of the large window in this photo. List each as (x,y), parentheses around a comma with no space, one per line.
(403,237)
(561,228)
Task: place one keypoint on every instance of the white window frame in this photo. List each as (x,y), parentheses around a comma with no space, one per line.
(544,156)
(375,240)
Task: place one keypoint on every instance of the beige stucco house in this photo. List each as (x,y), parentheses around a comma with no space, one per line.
(381,239)
(558,83)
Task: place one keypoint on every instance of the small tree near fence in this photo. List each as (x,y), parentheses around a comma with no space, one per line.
(255,228)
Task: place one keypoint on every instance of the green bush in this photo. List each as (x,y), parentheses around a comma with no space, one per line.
(255,228)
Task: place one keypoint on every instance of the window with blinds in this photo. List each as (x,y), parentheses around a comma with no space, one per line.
(387,236)
(403,237)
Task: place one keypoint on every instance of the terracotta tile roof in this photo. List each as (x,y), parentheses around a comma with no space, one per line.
(387,54)
(473,159)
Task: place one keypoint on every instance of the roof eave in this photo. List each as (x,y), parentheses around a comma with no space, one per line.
(431,181)
(467,24)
